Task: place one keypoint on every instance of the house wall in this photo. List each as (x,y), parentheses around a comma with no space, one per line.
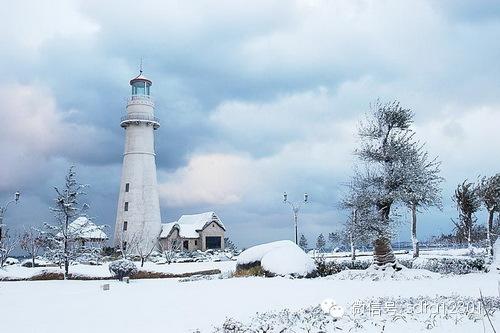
(213,229)
(166,243)
(193,244)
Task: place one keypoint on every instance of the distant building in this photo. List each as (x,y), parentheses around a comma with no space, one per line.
(86,232)
(194,232)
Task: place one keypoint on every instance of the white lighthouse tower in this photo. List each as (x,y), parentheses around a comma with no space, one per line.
(138,219)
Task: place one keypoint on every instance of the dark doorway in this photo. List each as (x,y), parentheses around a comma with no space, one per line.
(185,244)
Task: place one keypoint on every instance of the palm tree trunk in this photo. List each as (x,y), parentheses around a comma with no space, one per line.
(414,239)
(351,236)
(488,235)
(383,254)
(353,250)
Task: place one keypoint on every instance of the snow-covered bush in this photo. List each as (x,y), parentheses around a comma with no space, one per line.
(325,268)
(354,264)
(39,262)
(375,315)
(450,265)
(305,320)
(277,258)
(122,268)
(11,261)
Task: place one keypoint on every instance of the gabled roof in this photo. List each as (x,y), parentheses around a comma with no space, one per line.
(189,225)
(83,228)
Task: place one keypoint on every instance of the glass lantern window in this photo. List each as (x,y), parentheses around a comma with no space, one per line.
(140,88)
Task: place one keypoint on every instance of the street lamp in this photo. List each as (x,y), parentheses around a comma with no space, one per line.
(295,210)
(4,209)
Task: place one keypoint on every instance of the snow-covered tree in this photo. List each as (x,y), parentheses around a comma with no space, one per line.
(359,226)
(386,150)
(32,242)
(468,203)
(303,242)
(320,243)
(7,244)
(62,240)
(421,186)
(489,192)
(229,245)
(334,240)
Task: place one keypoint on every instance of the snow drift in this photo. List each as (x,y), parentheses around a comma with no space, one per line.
(278,258)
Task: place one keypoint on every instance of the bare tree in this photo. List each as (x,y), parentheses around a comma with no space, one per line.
(61,239)
(170,248)
(422,186)
(467,200)
(143,244)
(31,242)
(7,244)
(489,192)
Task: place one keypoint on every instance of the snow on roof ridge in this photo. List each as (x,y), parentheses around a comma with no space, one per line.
(189,225)
(86,229)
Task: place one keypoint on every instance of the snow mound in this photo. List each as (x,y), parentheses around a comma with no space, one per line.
(279,258)
(256,253)
(375,273)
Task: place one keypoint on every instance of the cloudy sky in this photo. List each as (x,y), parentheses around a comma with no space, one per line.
(255,98)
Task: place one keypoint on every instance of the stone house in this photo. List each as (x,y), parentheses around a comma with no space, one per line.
(194,232)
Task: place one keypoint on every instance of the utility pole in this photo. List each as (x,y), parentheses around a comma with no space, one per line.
(295,210)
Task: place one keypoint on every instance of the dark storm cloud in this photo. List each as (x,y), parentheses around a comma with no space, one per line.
(253,100)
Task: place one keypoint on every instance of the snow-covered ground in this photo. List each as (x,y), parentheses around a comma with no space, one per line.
(189,305)
(16,271)
(168,305)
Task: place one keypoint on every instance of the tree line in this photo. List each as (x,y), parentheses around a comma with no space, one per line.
(393,172)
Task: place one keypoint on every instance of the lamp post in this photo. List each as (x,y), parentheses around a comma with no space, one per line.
(295,210)
(4,209)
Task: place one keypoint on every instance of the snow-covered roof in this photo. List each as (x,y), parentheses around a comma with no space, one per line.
(166,228)
(84,229)
(189,225)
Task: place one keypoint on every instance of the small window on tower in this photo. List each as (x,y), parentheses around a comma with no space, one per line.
(125,225)
(127,187)
(124,246)
(126,206)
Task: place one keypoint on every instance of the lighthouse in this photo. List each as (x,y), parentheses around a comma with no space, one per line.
(138,220)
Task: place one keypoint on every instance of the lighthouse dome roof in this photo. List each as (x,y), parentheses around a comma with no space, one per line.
(141,78)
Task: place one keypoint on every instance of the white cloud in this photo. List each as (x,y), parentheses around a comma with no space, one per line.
(208,179)
(34,133)
(33,22)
